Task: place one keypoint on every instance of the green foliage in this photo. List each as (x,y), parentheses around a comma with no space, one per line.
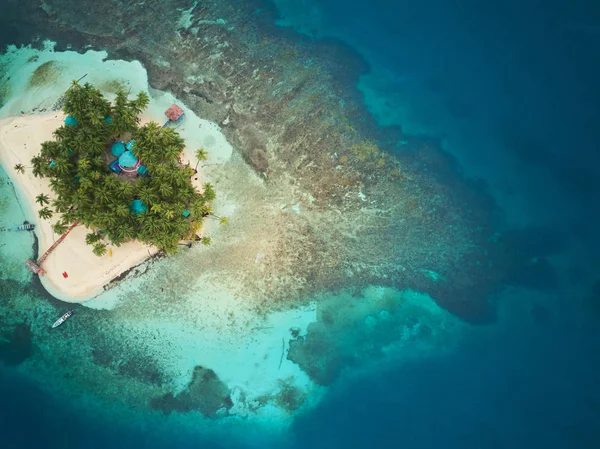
(60,227)
(205,241)
(201,154)
(45,213)
(87,191)
(223,221)
(42,199)
(99,249)
(125,112)
(89,107)
(208,192)
(19,168)
(92,238)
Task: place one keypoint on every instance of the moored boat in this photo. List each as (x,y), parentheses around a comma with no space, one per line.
(24,227)
(62,319)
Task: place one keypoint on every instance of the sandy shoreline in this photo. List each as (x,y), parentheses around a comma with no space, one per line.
(20,140)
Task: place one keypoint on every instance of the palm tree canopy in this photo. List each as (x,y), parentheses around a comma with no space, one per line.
(77,162)
(42,199)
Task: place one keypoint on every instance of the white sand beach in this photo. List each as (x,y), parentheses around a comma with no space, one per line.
(20,140)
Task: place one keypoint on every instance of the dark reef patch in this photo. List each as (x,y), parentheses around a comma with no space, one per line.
(351,329)
(289,397)
(17,24)
(16,346)
(134,366)
(314,355)
(205,393)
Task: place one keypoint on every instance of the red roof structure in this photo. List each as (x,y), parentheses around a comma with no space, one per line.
(174,113)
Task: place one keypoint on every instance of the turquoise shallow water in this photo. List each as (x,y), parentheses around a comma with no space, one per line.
(527,381)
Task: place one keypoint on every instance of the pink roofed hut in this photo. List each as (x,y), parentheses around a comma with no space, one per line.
(174,114)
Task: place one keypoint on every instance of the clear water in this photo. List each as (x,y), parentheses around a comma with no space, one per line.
(511,90)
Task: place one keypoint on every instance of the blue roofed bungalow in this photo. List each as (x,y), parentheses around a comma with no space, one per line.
(137,207)
(126,163)
(71,121)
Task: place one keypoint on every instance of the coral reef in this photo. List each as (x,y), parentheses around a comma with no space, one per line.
(205,393)
(357,209)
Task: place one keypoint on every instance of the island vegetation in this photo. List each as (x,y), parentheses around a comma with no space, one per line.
(157,205)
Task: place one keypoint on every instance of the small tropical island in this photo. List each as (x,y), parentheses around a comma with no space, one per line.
(121,180)
(111,180)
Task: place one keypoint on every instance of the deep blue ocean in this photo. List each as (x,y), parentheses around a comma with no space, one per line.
(524,77)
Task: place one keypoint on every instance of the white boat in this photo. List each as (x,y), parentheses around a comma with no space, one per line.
(62,319)
(24,227)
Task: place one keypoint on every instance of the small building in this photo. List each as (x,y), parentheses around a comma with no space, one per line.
(129,163)
(174,114)
(137,207)
(118,149)
(115,167)
(71,121)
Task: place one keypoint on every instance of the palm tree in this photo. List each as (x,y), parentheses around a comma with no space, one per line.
(42,199)
(125,190)
(171,152)
(156,208)
(62,167)
(40,166)
(60,227)
(208,192)
(19,168)
(165,189)
(86,184)
(140,103)
(45,213)
(201,154)
(103,195)
(61,205)
(205,241)
(147,195)
(123,117)
(92,238)
(99,249)
(223,221)
(122,210)
(84,164)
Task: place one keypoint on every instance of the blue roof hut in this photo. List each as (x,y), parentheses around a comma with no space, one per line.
(117,149)
(71,121)
(129,162)
(137,207)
